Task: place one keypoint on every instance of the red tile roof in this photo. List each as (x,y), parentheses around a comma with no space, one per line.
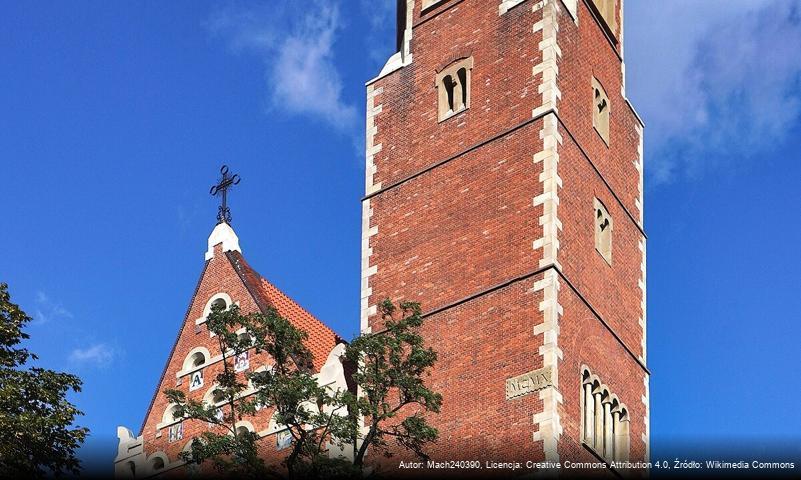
(321,338)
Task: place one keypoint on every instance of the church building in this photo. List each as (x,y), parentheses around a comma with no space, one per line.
(504,193)
(196,360)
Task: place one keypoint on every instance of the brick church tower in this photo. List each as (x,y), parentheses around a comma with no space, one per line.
(504,192)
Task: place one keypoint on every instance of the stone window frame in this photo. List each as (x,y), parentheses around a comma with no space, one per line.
(444,110)
(152,464)
(168,418)
(207,308)
(192,467)
(601,120)
(208,397)
(273,426)
(601,408)
(606,11)
(244,424)
(603,237)
(189,367)
(430,3)
(209,359)
(507,5)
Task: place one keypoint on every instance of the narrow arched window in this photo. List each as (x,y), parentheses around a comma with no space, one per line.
(462,76)
(453,88)
(600,110)
(604,420)
(608,12)
(603,231)
(198,359)
(157,463)
(170,414)
(219,303)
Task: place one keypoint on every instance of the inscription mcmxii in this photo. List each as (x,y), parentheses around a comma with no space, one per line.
(530,382)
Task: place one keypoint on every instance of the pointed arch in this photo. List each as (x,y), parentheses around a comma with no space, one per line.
(604,418)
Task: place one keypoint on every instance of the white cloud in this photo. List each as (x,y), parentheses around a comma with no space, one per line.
(47,310)
(713,80)
(296,43)
(97,355)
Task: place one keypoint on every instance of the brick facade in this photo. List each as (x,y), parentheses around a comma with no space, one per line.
(227,274)
(486,219)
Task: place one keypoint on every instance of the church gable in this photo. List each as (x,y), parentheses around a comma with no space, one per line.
(321,338)
(196,359)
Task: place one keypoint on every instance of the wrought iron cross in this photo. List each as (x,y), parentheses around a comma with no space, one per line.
(226,181)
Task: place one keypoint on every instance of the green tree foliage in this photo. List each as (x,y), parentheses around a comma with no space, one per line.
(37,435)
(389,370)
(393,398)
(312,414)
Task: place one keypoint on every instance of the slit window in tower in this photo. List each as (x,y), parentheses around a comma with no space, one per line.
(600,110)
(453,88)
(608,11)
(603,231)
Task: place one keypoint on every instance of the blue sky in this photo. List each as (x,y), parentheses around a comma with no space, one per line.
(115,117)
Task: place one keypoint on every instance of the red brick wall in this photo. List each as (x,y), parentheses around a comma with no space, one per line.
(585,341)
(467,225)
(480,343)
(586,52)
(611,289)
(450,231)
(591,169)
(439,235)
(503,90)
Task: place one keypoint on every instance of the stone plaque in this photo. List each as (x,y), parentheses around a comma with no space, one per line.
(530,382)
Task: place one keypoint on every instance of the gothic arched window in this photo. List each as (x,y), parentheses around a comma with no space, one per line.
(605,420)
(157,463)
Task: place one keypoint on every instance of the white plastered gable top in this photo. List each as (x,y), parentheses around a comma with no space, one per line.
(225,235)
